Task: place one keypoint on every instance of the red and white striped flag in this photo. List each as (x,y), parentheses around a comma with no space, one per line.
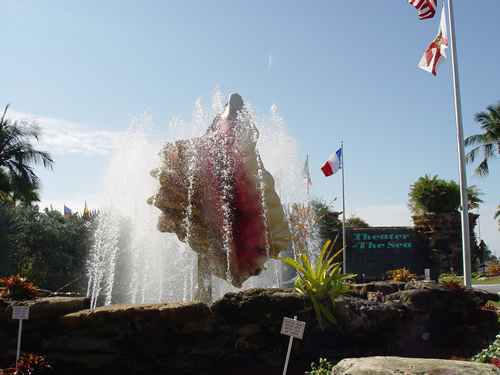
(426,8)
(435,55)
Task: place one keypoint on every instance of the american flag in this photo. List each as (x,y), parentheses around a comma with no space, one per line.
(426,8)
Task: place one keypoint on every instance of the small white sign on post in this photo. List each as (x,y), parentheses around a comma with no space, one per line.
(21,313)
(292,328)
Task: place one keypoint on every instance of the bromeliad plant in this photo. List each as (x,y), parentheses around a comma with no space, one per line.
(322,281)
(30,364)
(401,274)
(17,287)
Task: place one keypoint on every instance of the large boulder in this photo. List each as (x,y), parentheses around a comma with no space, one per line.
(43,311)
(410,366)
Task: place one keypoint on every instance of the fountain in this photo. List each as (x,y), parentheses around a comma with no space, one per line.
(134,262)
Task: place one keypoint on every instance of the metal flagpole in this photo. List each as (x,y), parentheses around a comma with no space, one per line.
(307,178)
(343,208)
(461,155)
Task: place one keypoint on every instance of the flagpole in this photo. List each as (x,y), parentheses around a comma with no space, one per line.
(343,209)
(307,178)
(461,155)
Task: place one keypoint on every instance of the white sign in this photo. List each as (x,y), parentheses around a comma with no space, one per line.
(20,312)
(294,328)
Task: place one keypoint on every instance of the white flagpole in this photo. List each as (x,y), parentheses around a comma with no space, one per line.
(307,178)
(461,155)
(343,209)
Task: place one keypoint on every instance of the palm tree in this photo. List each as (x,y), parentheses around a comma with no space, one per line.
(16,156)
(488,143)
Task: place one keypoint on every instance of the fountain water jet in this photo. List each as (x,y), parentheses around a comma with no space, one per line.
(149,266)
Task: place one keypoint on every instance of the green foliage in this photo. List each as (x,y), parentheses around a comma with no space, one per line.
(434,195)
(18,181)
(17,287)
(52,248)
(356,222)
(30,364)
(489,355)
(330,224)
(488,143)
(323,368)
(322,281)
(497,216)
(9,231)
(401,274)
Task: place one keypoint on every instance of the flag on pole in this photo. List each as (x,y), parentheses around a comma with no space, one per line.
(85,210)
(305,173)
(67,211)
(426,8)
(436,53)
(333,164)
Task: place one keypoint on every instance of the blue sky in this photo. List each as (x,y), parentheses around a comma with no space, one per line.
(336,71)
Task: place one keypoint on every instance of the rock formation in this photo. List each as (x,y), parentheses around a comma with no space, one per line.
(241,331)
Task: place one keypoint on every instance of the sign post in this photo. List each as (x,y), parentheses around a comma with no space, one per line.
(21,313)
(292,328)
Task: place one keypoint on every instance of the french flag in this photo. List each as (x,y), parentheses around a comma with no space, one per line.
(333,164)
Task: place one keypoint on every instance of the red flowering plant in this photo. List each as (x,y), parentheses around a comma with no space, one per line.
(17,287)
(30,364)
(456,287)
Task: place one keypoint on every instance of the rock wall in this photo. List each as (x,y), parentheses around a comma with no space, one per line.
(240,333)
(441,239)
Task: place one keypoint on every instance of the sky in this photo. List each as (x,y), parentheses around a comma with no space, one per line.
(335,71)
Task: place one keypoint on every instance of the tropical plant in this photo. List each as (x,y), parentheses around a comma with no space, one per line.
(30,364)
(488,143)
(302,222)
(324,367)
(322,281)
(18,180)
(432,194)
(401,274)
(494,270)
(456,287)
(497,216)
(17,287)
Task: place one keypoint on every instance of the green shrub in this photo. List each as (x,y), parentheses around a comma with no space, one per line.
(323,368)
(324,280)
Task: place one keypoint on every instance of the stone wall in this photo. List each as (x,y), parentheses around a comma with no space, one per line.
(240,333)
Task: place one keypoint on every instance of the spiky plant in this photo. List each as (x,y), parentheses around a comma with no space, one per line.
(17,287)
(323,280)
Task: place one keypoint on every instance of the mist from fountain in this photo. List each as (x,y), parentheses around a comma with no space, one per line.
(132,262)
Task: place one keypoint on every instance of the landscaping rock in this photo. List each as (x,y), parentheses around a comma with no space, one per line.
(410,366)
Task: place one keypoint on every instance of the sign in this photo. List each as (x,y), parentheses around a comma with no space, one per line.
(293,328)
(20,312)
(382,238)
